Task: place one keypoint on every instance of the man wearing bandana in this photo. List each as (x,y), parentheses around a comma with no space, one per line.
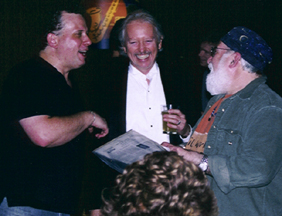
(237,141)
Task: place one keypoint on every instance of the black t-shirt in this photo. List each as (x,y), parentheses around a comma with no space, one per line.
(44,178)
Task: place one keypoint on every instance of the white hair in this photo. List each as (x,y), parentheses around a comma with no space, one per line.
(247,66)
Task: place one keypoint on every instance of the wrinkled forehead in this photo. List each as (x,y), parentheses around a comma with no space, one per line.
(140,25)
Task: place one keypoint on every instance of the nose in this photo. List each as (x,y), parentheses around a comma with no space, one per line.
(141,47)
(87,41)
(200,53)
(209,59)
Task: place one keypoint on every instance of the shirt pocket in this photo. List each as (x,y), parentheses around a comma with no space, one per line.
(228,142)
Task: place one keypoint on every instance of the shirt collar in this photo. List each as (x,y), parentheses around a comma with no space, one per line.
(250,88)
(154,70)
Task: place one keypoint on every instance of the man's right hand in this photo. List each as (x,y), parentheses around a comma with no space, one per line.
(100,123)
(191,156)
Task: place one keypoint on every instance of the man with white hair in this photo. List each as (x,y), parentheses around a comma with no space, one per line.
(237,142)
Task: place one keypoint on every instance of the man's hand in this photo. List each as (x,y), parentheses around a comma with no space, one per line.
(191,156)
(177,120)
(100,123)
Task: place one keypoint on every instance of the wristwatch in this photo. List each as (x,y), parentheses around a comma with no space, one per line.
(204,163)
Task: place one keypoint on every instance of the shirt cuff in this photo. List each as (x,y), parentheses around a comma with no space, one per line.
(186,139)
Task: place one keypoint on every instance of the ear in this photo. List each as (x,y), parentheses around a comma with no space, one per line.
(235,60)
(124,49)
(160,44)
(52,40)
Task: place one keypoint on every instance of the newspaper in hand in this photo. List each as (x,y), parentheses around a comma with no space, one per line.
(126,149)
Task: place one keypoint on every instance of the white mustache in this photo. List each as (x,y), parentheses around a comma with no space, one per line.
(143,53)
(210,66)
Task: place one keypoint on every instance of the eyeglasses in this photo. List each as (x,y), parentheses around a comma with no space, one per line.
(213,50)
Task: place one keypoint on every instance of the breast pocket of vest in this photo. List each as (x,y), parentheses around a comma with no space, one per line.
(228,142)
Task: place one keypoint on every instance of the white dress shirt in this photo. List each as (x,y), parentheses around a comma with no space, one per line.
(143,103)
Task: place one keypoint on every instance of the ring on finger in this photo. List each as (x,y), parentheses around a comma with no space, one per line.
(179,122)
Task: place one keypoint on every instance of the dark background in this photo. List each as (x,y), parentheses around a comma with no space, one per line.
(184,22)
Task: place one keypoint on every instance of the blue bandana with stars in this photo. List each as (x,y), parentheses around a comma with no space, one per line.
(250,45)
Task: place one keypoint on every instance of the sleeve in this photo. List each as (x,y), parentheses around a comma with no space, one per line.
(257,159)
(186,139)
(28,95)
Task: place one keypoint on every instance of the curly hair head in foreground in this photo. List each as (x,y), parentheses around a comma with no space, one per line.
(162,184)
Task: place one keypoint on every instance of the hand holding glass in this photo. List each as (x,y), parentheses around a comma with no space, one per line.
(166,129)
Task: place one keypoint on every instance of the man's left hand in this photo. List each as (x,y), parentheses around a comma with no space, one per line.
(177,120)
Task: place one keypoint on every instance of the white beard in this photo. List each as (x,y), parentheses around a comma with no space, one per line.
(218,82)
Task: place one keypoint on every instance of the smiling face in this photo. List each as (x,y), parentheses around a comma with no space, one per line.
(141,45)
(72,42)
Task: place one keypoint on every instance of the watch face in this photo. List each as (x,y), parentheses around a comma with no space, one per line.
(203,166)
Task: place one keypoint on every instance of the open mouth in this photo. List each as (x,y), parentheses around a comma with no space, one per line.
(141,57)
(82,53)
